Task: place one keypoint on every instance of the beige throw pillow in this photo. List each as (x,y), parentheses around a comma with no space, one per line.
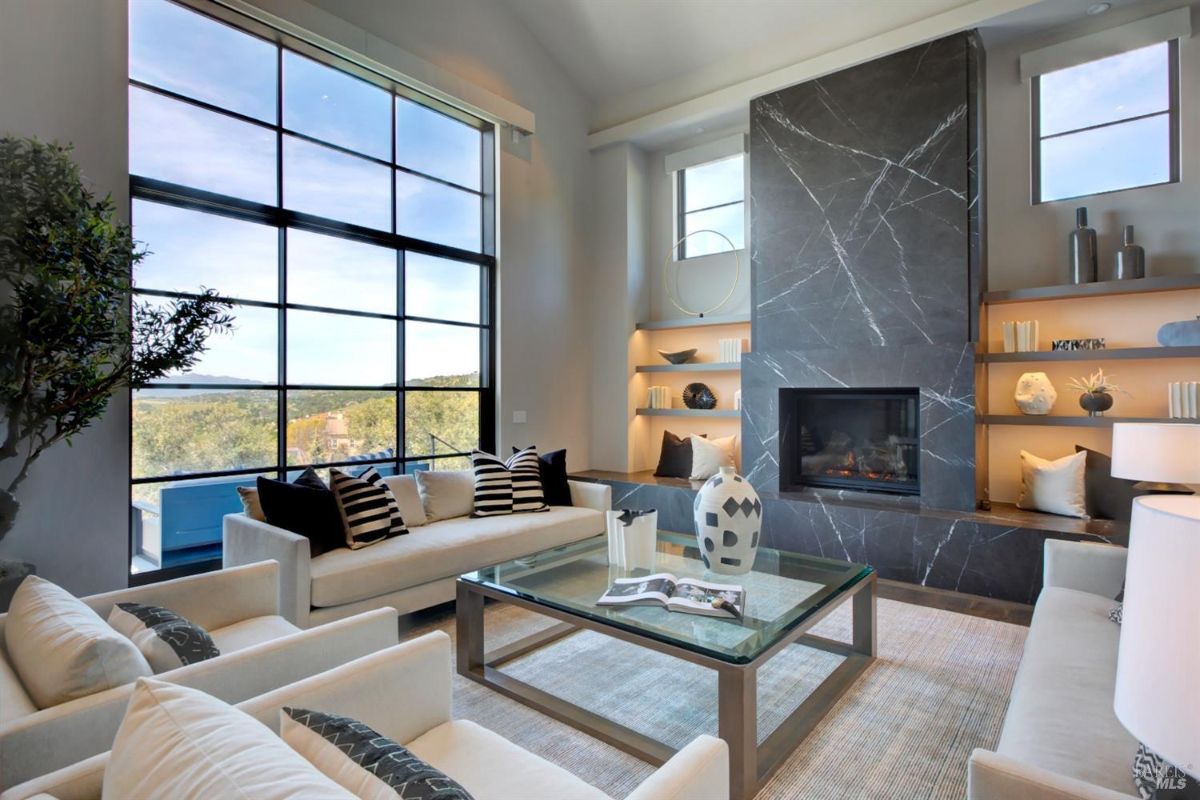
(62,649)
(447,494)
(177,743)
(709,455)
(1056,487)
(250,503)
(404,489)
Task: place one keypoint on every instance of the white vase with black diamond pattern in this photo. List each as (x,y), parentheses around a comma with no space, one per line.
(728,516)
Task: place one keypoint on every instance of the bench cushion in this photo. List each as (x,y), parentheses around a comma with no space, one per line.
(14,700)
(471,754)
(444,549)
(1060,716)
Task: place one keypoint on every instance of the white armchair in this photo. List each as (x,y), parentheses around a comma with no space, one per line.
(259,652)
(404,693)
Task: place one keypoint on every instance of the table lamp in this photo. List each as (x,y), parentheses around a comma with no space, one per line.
(1158,692)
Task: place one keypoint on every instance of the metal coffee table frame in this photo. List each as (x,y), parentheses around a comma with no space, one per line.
(750,764)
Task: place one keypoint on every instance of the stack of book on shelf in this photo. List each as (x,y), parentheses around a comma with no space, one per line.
(658,397)
(1183,400)
(730,350)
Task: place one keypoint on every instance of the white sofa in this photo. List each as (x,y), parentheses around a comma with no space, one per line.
(260,651)
(1061,738)
(404,693)
(407,572)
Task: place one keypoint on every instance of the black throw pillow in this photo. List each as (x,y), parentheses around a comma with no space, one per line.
(552,469)
(1106,497)
(306,507)
(675,459)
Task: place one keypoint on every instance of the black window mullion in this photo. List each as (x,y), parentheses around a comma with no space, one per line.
(681,220)
(277,216)
(282,289)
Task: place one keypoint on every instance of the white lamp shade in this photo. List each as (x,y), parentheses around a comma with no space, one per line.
(1156,452)
(1158,664)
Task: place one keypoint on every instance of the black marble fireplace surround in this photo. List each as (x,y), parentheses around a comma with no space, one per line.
(865,260)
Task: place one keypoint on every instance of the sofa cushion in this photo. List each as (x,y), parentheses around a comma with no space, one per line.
(14,700)
(176,742)
(1060,716)
(250,632)
(444,549)
(408,497)
(62,649)
(469,753)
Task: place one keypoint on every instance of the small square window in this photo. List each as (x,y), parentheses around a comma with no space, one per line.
(1107,125)
(711,199)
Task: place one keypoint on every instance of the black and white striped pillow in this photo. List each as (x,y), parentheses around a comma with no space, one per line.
(507,487)
(370,513)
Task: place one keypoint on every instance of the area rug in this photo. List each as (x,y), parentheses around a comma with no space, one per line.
(904,730)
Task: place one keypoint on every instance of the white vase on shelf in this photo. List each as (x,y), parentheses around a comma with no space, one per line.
(1035,394)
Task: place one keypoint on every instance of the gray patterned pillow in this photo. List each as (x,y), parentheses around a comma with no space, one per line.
(1152,775)
(362,761)
(1117,613)
(167,640)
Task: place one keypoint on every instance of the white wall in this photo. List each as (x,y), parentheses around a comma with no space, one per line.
(1027,244)
(62,77)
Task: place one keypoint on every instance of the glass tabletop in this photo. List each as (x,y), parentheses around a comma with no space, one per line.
(782,590)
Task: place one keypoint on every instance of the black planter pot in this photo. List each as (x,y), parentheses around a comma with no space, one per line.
(1096,403)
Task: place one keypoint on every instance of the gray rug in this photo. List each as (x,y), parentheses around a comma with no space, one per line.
(904,730)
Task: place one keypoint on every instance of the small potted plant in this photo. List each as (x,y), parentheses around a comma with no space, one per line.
(1096,392)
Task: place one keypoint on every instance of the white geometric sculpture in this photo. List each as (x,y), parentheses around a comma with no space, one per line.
(1035,394)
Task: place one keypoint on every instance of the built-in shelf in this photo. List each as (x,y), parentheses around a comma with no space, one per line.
(698,367)
(1162,283)
(690,412)
(694,322)
(1072,422)
(1117,353)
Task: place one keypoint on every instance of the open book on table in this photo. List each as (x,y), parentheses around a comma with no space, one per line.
(688,595)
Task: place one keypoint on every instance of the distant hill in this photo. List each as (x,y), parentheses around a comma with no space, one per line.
(196,380)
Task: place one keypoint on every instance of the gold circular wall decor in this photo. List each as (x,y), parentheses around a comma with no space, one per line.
(737,274)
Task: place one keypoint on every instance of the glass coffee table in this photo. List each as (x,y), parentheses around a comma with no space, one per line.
(786,595)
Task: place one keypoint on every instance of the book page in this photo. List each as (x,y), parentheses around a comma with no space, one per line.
(697,596)
(652,588)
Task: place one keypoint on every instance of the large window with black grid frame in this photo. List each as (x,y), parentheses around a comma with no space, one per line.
(350,221)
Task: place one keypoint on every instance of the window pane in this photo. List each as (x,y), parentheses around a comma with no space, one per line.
(319,180)
(329,426)
(1105,159)
(727,220)
(189,250)
(713,184)
(441,288)
(173,141)
(193,430)
(440,355)
(247,354)
(440,422)
(1122,86)
(193,55)
(337,107)
(437,145)
(336,349)
(437,213)
(340,273)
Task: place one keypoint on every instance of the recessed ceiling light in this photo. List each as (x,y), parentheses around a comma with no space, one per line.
(1098,8)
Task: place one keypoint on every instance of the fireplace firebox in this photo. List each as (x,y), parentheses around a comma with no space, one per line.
(861,439)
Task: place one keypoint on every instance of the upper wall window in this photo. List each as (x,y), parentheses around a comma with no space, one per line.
(1107,125)
(712,198)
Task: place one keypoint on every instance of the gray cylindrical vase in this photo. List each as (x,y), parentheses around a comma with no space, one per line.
(1131,259)
(1081,250)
